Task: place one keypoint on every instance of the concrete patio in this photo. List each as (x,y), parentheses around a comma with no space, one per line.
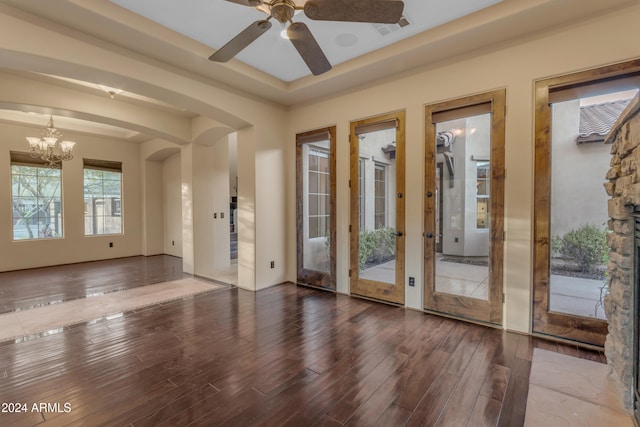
(571,295)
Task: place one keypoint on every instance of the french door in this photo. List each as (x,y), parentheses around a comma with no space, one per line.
(316,207)
(464,199)
(377,238)
(573,114)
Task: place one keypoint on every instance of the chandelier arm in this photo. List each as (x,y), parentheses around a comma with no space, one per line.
(46,146)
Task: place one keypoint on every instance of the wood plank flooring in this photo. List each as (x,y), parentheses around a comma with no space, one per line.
(284,356)
(24,289)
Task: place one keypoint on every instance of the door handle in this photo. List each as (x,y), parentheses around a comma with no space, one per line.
(399,234)
(428,235)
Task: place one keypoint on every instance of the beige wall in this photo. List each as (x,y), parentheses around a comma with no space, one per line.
(514,67)
(75,246)
(211,208)
(172,206)
(153,208)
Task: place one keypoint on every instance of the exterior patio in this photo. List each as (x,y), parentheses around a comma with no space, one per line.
(568,294)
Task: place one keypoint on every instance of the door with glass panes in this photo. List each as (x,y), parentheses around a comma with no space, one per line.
(377,208)
(315,207)
(464,199)
(573,115)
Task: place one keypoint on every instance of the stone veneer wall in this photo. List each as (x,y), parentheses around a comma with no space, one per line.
(623,188)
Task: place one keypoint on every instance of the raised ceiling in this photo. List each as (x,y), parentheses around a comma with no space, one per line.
(215,22)
(182,34)
(497,24)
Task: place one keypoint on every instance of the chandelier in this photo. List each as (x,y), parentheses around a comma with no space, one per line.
(47,147)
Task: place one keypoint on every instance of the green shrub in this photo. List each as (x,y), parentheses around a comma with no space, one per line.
(586,245)
(376,246)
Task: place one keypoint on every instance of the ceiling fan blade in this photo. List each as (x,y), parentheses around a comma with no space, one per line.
(377,11)
(308,48)
(239,42)
(250,3)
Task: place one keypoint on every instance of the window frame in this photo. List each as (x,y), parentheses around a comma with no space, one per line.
(20,159)
(378,166)
(113,201)
(609,78)
(319,152)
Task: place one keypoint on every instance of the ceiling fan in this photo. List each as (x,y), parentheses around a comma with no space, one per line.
(375,11)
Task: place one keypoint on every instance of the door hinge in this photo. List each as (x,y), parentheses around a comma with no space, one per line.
(349,272)
(349,183)
(504,235)
(503,298)
(349,228)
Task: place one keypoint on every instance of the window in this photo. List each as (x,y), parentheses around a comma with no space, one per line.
(102,197)
(36,198)
(482,194)
(319,193)
(380,196)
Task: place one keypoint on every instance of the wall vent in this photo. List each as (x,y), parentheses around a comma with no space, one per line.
(386,29)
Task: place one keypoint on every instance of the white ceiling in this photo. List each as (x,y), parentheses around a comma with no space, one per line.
(215,22)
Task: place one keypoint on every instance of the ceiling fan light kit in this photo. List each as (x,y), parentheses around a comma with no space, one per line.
(283,11)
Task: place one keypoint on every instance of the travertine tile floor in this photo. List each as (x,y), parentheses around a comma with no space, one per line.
(227,275)
(23,325)
(565,391)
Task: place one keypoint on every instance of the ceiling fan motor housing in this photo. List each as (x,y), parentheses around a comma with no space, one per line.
(283,10)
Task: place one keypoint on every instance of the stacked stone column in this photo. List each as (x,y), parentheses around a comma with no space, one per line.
(623,188)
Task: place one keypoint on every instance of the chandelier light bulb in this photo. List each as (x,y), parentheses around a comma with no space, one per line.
(44,147)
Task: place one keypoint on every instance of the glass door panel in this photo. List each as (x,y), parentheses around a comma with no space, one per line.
(574,113)
(377,220)
(462,265)
(316,208)
(377,236)
(464,202)
(578,256)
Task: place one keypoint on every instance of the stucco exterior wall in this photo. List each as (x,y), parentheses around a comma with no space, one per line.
(577,174)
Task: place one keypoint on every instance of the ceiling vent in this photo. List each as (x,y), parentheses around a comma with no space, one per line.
(385,29)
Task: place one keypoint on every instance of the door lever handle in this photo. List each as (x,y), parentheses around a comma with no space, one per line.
(428,235)
(399,234)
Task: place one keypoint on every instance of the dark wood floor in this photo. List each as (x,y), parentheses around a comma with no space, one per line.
(287,356)
(23,289)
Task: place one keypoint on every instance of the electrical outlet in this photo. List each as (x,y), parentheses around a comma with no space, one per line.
(273,264)
(221,214)
(110,244)
(173,243)
(412,281)
(215,215)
